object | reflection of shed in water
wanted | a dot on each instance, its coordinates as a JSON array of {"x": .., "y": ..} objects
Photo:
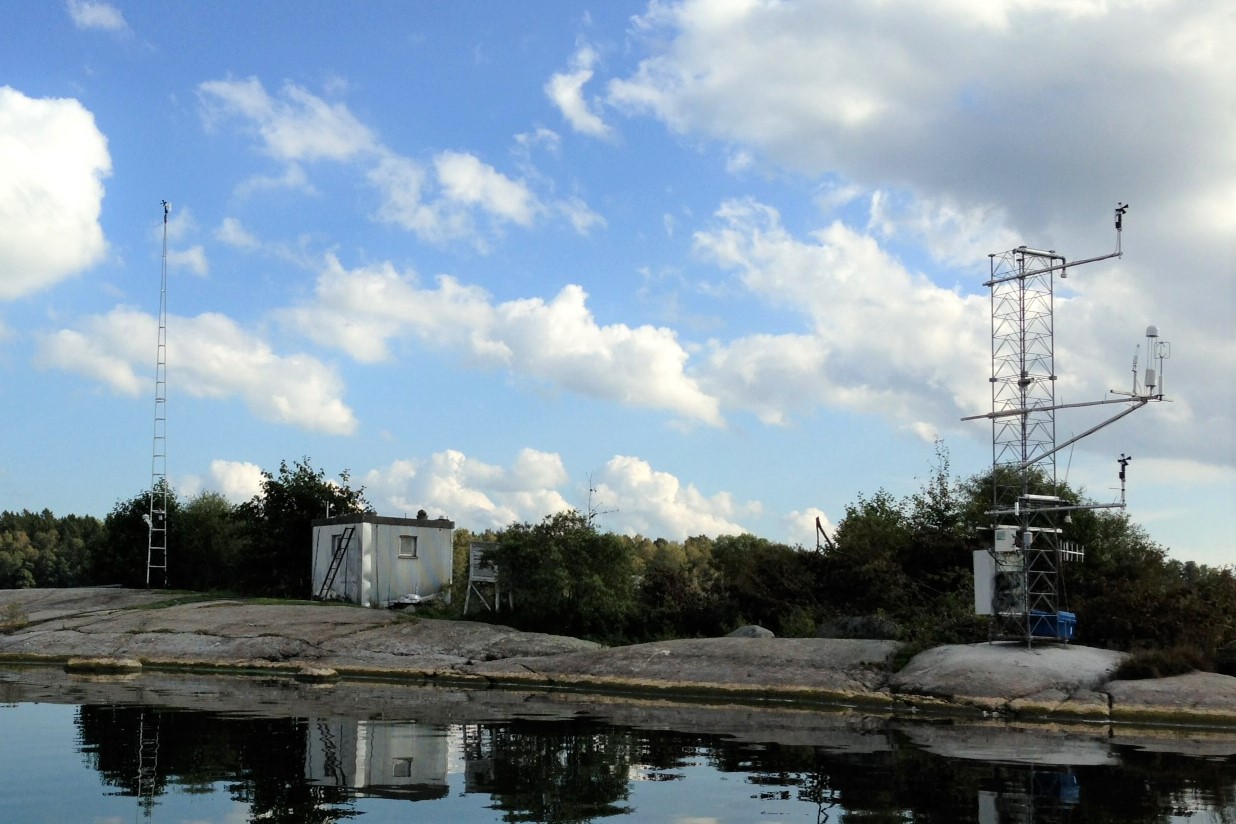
[{"x": 391, "y": 759}]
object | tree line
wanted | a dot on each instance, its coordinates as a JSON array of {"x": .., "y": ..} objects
[
  {"x": 897, "y": 568},
  {"x": 259, "y": 547}
]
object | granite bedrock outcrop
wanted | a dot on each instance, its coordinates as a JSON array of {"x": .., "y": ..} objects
[{"x": 95, "y": 628}]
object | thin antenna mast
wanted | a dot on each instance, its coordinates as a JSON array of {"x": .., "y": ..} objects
[
  {"x": 156, "y": 519},
  {"x": 593, "y": 513}
]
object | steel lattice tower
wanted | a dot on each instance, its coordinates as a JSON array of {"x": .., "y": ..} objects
[
  {"x": 1028, "y": 547},
  {"x": 1023, "y": 403}
]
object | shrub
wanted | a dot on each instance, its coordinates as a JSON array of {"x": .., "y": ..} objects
[
  {"x": 13, "y": 617},
  {"x": 1162, "y": 663},
  {"x": 567, "y": 578}
]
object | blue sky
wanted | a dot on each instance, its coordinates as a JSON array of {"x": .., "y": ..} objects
[{"x": 720, "y": 262}]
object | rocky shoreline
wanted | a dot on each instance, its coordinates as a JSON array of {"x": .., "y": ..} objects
[{"x": 141, "y": 630}]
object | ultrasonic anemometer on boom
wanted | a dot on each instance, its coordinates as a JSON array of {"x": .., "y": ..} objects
[{"x": 1017, "y": 580}]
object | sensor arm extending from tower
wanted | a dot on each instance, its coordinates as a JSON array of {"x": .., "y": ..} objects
[
  {"x": 1136, "y": 398},
  {"x": 1008, "y": 413},
  {"x": 1063, "y": 266},
  {"x": 1138, "y": 403}
]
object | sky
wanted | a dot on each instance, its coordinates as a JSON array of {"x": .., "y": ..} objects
[{"x": 700, "y": 267}]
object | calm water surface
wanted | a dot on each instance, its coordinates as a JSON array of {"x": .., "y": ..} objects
[{"x": 74, "y": 750}]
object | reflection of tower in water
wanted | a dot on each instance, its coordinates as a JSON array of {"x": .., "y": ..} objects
[{"x": 147, "y": 761}]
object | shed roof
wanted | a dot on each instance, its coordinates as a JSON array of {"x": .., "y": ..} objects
[{"x": 371, "y": 518}]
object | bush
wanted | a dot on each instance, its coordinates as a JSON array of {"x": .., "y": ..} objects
[
  {"x": 798, "y": 622},
  {"x": 1162, "y": 663},
  {"x": 13, "y": 617},
  {"x": 1225, "y": 660},
  {"x": 765, "y": 583},
  {"x": 567, "y": 578}
]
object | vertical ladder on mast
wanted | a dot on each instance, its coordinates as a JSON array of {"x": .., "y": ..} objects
[{"x": 156, "y": 518}]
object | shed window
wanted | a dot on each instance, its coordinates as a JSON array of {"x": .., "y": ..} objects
[{"x": 407, "y": 546}]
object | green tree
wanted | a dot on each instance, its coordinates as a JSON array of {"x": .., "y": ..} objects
[
  {"x": 908, "y": 561},
  {"x": 79, "y": 534},
  {"x": 278, "y": 525},
  {"x": 17, "y": 557},
  {"x": 120, "y": 556},
  {"x": 679, "y": 593},
  {"x": 865, "y": 573},
  {"x": 567, "y": 577},
  {"x": 1129, "y": 595},
  {"x": 210, "y": 542},
  {"x": 39, "y": 549},
  {"x": 766, "y": 583}
]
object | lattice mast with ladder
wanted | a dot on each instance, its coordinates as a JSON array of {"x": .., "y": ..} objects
[
  {"x": 1018, "y": 580},
  {"x": 156, "y": 516}
]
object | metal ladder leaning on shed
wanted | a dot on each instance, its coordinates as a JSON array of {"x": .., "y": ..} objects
[{"x": 336, "y": 560}]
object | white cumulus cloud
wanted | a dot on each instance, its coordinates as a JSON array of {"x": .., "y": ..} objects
[
  {"x": 555, "y": 341},
  {"x": 580, "y": 214},
  {"x": 631, "y": 496},
  {"x": 232, "y": 232},
  {"x": 295, "y": 126},
  {"x": 459, "y": 197},
  {"x": 212, "y": 357},
  {"x": 879, "y": 339},
  {"x": 192, "y": 259},
  {"x": 95, "y": 14},
  {"x": 465, "y": 179},
  {"x": 238, "y": 481},
  {"x": 443, "y": 204},
  {"x": 53, "y": 160},
  {"x": 474, "y": 494},
  {"x": 566, "y": 90},
  {"x": 800, "y": 527},
  {"x": 653, "y": 503}
]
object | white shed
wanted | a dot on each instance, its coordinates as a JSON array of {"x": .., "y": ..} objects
[{"x": 374, "y": 561}]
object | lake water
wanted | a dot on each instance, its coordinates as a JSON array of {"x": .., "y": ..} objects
[{"x": 200, "y": 749}]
